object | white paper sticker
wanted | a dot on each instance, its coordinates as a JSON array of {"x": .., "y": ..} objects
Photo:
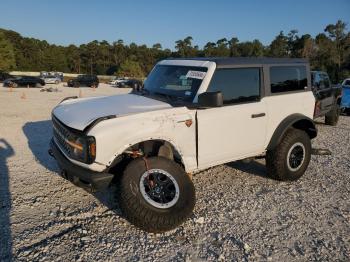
[{"x": 196, "y": 74}]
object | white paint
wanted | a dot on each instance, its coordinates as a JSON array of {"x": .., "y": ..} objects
[
  {"x": 230, "y": 132},
  {"x": 114, "y": 136},
  {"x": 225, "y": 133},
  {"x": 78, "y": 113}
]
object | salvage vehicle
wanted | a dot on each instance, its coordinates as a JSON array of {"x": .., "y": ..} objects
[
  {"x": 345, "y": 101},
  {"x": 118, "y": 80},
  {"x": 59, "y": 75},
  {"x": 4, "y": 76},
  {"x": 24, "y": 81},
  {"x": 192, "y": 114},
  {"x": 130, "y": 83},
  {"x": 328, "y": 98},
  {"x": 84, "y": 80},
  {"x": 50, "y": 79}
]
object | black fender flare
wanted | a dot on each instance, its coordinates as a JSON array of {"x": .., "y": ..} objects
[{"x": 298, "y": 121}]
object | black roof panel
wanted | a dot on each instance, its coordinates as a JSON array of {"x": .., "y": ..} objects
[{"x": 227, "y": 61}]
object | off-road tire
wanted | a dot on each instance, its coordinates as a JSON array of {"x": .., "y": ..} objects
[
  {"x": 142, "y": 214},
  {"x": 276, "y": 159},
  {"x": 332, "y": 117}
]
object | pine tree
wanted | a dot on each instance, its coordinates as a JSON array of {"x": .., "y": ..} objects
[{"x": 7, "y": 55}]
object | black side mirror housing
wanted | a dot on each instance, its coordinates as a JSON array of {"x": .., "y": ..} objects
[{"x": 210, "y": 99}]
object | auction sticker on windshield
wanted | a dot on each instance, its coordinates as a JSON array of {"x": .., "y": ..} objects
[{"x": 195, "y": 74}]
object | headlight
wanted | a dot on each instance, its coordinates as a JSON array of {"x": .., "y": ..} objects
[{"x": 82, "y": 148}]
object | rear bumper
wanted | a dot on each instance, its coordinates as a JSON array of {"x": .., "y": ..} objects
[{"x": 89, "y": 180}]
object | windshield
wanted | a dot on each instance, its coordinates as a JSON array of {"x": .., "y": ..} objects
[{"x": 177, "y": 82}]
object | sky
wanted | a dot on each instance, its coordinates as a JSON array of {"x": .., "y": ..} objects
[{"x": 148, "y": 22}]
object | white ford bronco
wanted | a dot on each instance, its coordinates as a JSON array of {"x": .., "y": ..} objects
[{"x": 191, "y": 114}]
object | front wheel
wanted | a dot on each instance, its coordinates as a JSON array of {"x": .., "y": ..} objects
[
  {"x": 332, "y": 117},
  {"x": 289, "y": 160},
  {"x": 155, "y": 194}
]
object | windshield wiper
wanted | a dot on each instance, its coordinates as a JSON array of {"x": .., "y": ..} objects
[
  {"x": 169, "y": 98},
  {"x": 163, "y": 97}
]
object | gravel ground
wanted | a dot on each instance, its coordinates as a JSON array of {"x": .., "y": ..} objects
[{"x": 240, "y": 215}]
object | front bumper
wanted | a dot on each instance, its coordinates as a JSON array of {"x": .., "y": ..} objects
[{"x": 89, "y": 180}]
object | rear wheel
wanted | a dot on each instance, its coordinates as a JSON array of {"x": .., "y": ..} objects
[
  {"x": 155, "y": 194},
  {"x": 332, "y": 117},
  {"x": 289, "y": 160}
]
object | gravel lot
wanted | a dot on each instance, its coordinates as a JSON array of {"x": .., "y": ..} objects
[{"x": 240, "y": 214}]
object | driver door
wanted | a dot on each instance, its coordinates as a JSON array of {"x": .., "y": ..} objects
[{"x": 238, "y": 129}]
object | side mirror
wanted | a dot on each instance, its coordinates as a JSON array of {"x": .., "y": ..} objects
[{"x": 210, "y": 99}]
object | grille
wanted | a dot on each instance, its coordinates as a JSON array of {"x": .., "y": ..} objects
[{"x": 61, "y": 135}]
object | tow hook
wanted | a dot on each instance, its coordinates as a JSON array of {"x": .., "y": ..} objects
[{"x": 321, "y": 152}]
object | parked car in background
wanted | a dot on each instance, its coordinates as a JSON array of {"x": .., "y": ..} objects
[
  {"x": 84, "y": 80},
  {"x": 345, "y": 100},
  {"x": 328, "y": 97},
  {"x": 24, "y": 81},
  {"x": 115, "y": 81},
  {"x": 4, "y": 76},
  {"x": 50, "y": 79},
  {"x": 59, "y": 75},
  {"x": 130, "y": 83}
]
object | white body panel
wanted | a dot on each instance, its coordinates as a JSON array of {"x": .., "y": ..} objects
[
  {"x": 78, "y": 113},
  {"x": 280, "y": 107},
  {"x": 229, "y": 132},
  {"x": 116, "y": 135}
]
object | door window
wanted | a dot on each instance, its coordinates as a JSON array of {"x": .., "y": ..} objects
[{"x": 237, "y": 84}]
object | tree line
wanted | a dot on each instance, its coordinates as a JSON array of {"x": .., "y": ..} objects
[{"x": 328, "y": 51}]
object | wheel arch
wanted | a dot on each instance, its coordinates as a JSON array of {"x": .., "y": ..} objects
[
  {"x": 150, "y": 147},
  {"x": 297, "y": 121}
]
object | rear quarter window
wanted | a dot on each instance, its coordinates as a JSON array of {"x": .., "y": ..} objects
[{"x": 287, "y": 78}]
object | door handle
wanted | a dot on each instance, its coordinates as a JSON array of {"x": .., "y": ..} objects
[{"x": 258, "y": 115}]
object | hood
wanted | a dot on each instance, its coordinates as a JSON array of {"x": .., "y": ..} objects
[{"x": 79, "y": 113}]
